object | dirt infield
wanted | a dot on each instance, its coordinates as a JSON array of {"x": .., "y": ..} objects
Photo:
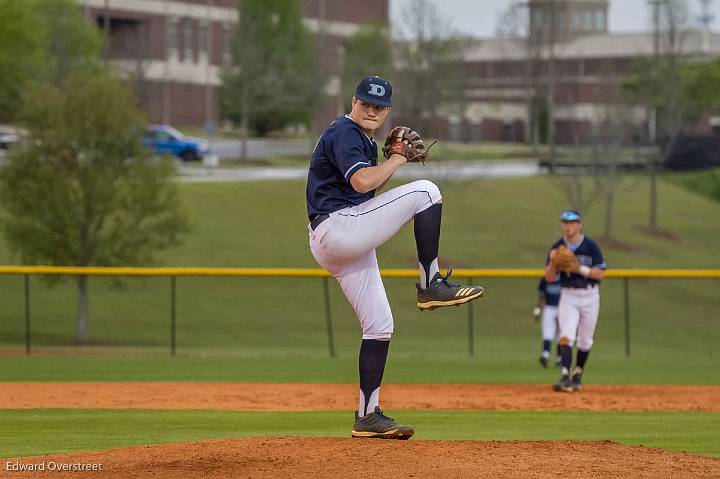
[
  {"x": 290, "y": 457},
  {"x": 293, "y": 457},
  {"x": 313, "y": 397}
]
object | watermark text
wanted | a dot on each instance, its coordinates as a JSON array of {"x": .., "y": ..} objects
[{"x": 52, "y": 466}]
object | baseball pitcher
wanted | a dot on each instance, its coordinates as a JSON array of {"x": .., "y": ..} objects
[{"x": 349, "y": 220}]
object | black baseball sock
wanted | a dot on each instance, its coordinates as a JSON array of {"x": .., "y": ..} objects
[
  {"x": 581, "y": 359},
  {"x": 373, "y": 354},
  {"x": 427, "y": 240},
  {"x": 566, "y": 355},
  {"x": 546, "y": 347}
]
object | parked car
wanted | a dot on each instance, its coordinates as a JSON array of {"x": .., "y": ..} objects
[
  {"x": 166, "y": 140},
  {"x": 8, "y": 137}
]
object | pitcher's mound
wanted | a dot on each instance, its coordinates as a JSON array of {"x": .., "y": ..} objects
[{"x": 294, "y": 457}]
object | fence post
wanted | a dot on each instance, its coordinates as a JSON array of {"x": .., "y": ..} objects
[
  {"x": 626, "y": 288},
  {"x": 471, "y": 326},
  {"x": 328, "y": 317},
  {"x": 27, "y": 315},
  {"x": 173, "y": 295}
]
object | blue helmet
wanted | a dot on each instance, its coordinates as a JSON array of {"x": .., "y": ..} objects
[{"x": 570, "y": 215}]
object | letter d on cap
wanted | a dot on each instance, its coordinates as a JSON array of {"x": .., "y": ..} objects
[{"x": 377, "y": 90}]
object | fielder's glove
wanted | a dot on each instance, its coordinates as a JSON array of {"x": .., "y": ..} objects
[
  {"x": 406, "y": 142},
  {"x": 565, "y": 261}
]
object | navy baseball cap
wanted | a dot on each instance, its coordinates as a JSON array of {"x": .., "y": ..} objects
[
  {"x": 374, "y": 90},
  {"x": 570, "y": 215}
]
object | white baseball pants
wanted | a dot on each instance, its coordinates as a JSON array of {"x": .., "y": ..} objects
[
  {"x": 344, "y": 245},
  {"x": 578, "y": 315},
  {"x": 549, "y": 325}
]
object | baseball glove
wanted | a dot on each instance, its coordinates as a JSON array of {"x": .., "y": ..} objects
[
  {"x": 565, "y": 260},
  {"x": 406, "y": 142}
]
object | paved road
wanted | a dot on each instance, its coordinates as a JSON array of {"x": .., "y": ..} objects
[
  {"x": 259, "y": 148},
  {"x": 440, "y": 171}
]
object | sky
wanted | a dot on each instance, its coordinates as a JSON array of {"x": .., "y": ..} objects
[{"x": 478, "y": 17}]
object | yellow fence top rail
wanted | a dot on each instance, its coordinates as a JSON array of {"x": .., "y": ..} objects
[{"x": 309, "y": 272}]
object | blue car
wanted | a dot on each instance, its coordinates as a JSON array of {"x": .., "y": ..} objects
[{"x": 166, "y": 140}]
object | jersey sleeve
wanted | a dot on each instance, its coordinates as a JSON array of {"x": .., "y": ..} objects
[
  {"x": 348, "y": 152},
  {"x": 541, "y": 287},
  {"x": 597, "y": 257}
]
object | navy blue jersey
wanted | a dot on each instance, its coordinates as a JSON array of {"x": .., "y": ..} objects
[
  {"x": 588, "y": 254},
  {"x": 550, "y": 291},
  {"x": 341, "y": 151}
]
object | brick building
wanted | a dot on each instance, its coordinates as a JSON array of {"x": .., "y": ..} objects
[
  {"x": 507, "y": 78},
  {"x": 499, "y": 98},
  {"x": 174, "y": 48}
]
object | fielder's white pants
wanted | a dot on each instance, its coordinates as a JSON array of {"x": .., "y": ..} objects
[
  {"x": 344, "y": 245},
  {"x": 549, "y": 325},
  {"x": 578, "y": 315}
]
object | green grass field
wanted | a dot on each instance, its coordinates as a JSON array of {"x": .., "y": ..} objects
[
  {"x": 483, "y": 368},
  {"x": 704, "y": 182},
  {"x": 492, "y": 224},
  {"x": 273, "y": 330},
  {"x": 30, "y": 432}
]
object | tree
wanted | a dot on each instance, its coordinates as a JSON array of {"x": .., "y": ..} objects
[
  {"x": 70, "y": 41},
  {"x": 18, "y": 33},
  {"x": 594, "y": 159},
  {"x": 272, "y": 77},
  {"x": 657, "y": 83},
  {"x": 41, "y": 41},
  {"x": 601, "y": 160},
  {"x": 83, "y": 191},
  {"x": 368, "y": 51},
  {"x": 513, "y": 21},
  {"x": 428, "y": 56},
  {"x": 609, "y": 160},
  {"x": 544, "y": 39},
  {"x": 700, "y": 92}
]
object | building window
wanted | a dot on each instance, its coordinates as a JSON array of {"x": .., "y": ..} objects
[
  {"x": 203, "y": 37},
  {"x": 577, "y": 21},
  {"x": 476, "y": 132},
  {"x": 600, "y": 21},
  {"x": 508, "y": 132},
  {"x": 547, "y": 19},
  {"x": 173, "y": 36},
  {"x": 561, "y": 21},
  {"x": 539, "y": 20},
  {"x": 226, "y": 44},
  {"x": 454, "y": 131},
  {"x": 188, "y": 38}
]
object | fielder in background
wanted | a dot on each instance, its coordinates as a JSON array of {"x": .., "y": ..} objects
[
  {"x": 348, "y": 220},
  {"x": 580, "y": 264},
  {"x": 547, "y": 309}
]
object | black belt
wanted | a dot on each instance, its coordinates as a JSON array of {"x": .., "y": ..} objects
[{"x": 315, "y": 222}]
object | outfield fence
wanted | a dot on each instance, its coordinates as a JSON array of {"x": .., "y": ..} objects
[{"x": 625, "y": 275}]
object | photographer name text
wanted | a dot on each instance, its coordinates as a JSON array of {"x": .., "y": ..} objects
[{"x": 52, "y": 466}]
